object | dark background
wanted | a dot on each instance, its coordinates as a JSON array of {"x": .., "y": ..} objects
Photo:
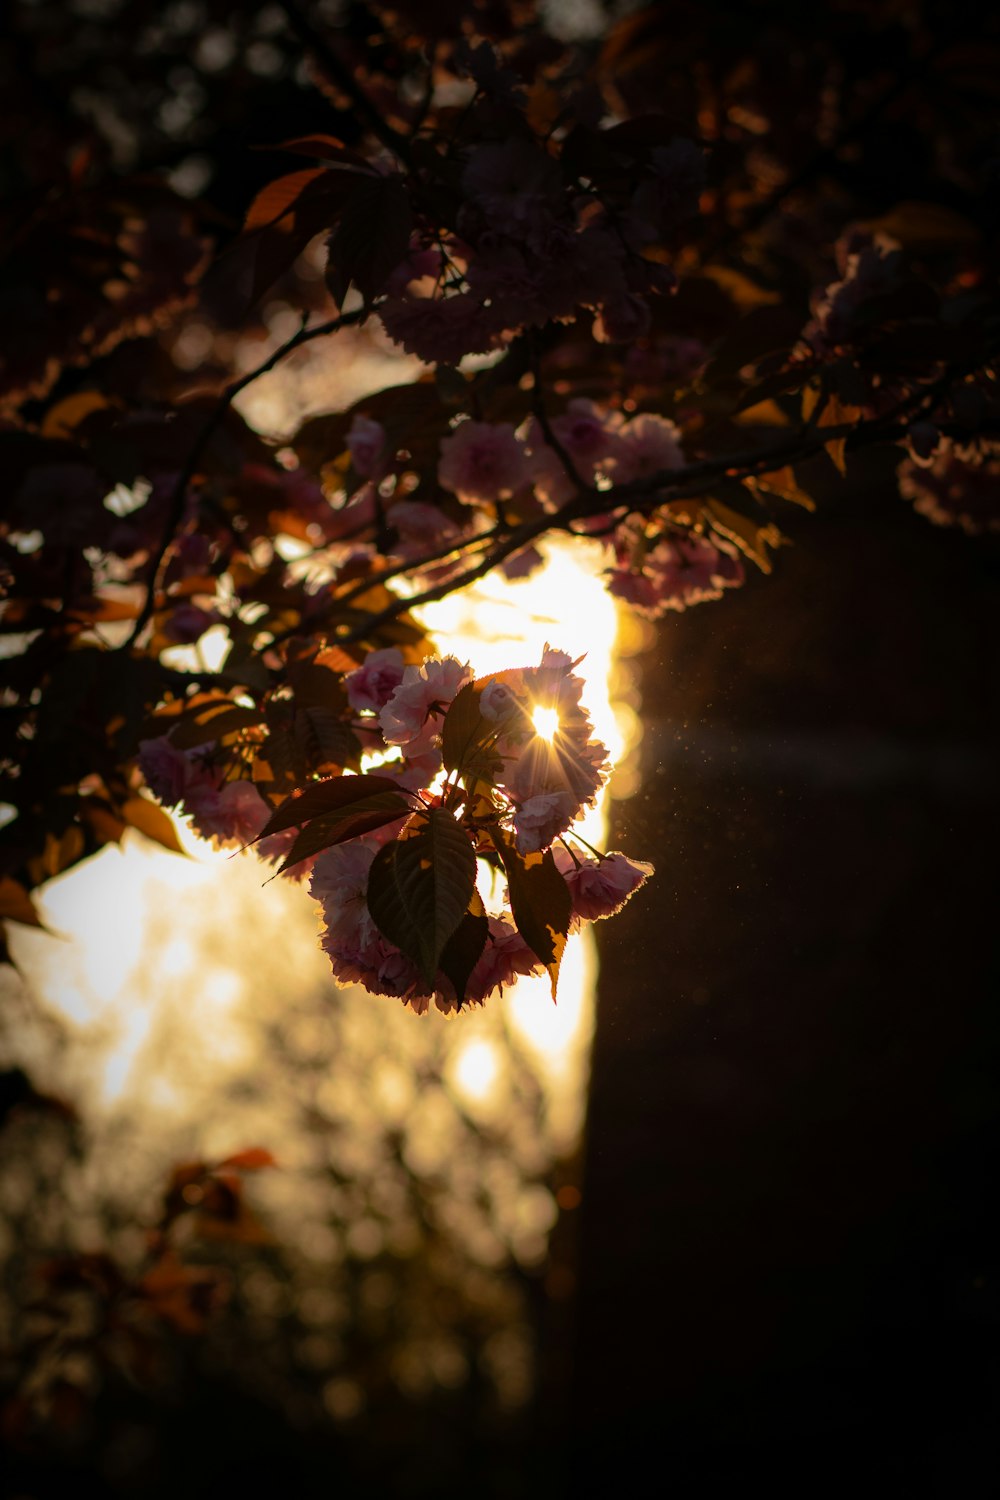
[{"x": 790, "y": 1242}]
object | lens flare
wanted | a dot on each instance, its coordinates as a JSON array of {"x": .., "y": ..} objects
[{"x": 546, "y": 722}]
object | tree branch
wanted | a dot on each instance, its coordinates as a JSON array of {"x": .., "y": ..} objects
[
  {"x": 342, "y": 77},
  {"x": 178, "y": 495}
]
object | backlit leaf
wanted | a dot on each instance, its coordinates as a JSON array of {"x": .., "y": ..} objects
[
  {"x": 150, "y": 819},
  {"x": 464, "y": 737},
  {"x": 16, "y": 905},
  {"x": 334, "y": 796},
  {"x": 752, "y": 539},
  {"x": 213, "y": 722},
  {"x": 539, "y": 901},
  {"x": 279, "y": 197},
  {"x": 337, "y": 827},
  {"x": 323, "y": 148},
  {"x": 464, "y": 948},
  {"x": 419, "y": 889},
  {"x": 250, "y": 1160},
  {"x": 782, "y": 482}
]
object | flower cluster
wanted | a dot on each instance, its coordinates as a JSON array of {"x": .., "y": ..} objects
[
  {"x": 954, "y": 486},
  {"x": 532, "y": 248},
  {"x": 676, "y": 573},
  {"x": 228, "y": 813},
  {"x": 511, "y": 790}
]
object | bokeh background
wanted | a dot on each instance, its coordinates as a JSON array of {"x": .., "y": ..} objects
[{"x": 726, "y": 1216}]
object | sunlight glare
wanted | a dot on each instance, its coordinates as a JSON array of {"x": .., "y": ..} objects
[
  {"x": 475, "y": 1069},
  {"x": 546, "y": 722}
]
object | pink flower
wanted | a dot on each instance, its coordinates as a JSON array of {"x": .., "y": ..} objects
[
  {"x": 647, "y": 445},
  {"x": 418, "y": 770},
  {"x": 677, "y": 573},
  {"x": 542, "y": 818},
  {"x": 590, "y": 438},
  {"x": 482, "y": 462},
  {"x": 358, "y": 952},
  {"x": 549, "y": 781},
  {"x": 514, "y": 286},
  {"x": 340, "y": 884},
  {"x": 638, "y": 589},
  {"x": 871, "y": 267},
  {"x": 435, "y": 682},
  {"x": 369, "y": 448},
  {"x": 440, "y": 330},
  {"x": 422, "y": 528},
  {"x": 418, "y": 265},
  {"x": 505, "y": 956},
  {"x": 958, "y": 487},
  {"x": 231, "y": 815},
  {"x": 600, "y": 887},
  {"x": 372, "y": 685},
  {"x": 498, "y": 701},
  {"x": 166, "y": 770}
]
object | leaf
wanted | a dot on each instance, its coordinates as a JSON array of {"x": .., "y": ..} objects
[
  {"x": 102, "y": 820},
  {"x": 463, "y": 737},
  {"x": 746, "y": 294},
  {"x": 334, "y": 795},
  {"x": 323, "y": 148},
  {"x": 212, "y": 720},
  {"x": 832, "y": 413},
  {"x": 464, "y": 948},
  {"x": 16, "y": 905},
  {"x": 409, "y": 413},
  {"x": 325, "y": 739},
  {"x": 336, "y": 828},
  {"x": 539, "y": 901},
  {"x": 371, "y": 238},
  {"x": 57, "y": 855},
  {"x": 927, "y": 228},
  {"x": 419, "y": 889},
  {"x": 782, "y": 482},
  {"x": 279, "y": 197},
  {"x": 62, "y": 419},
  {"x": 250, "y": 1160},
  {"x": 752, "y": 539},
  {"x": 150, "y": 819}
]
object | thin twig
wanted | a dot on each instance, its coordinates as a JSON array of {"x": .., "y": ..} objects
[
  {"x": 217, "y": 415},
  {"x": 342, "y": 77}
]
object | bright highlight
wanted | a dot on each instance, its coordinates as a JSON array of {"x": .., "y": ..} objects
[{"x": 546, "y": 722}]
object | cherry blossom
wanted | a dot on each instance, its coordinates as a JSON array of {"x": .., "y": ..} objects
[
  {"x": 600, "y": 887},
  {"x": 435, "y": 683},
  {"x": 369, "y": 448},
  {"x": 229, "y": 815},
  {"x": 957, "y": 487},
  {"x": 482, "y": 462},
  {"x": 505, "y": 957},
  {"x": 677, "y": 573},
  {"x": 371, "y": 686},
  {"x": 646, "y": 445}
]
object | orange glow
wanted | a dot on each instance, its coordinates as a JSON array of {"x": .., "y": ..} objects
[{"x": 546, "y": 722}]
